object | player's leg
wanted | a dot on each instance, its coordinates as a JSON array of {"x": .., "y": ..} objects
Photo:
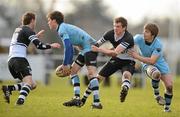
[
  {"x": 108, "y": 69},
  {"x": 22, "y": 67},
  {"x": 7, "y": 89},
  {"x": 88, "y": 91},
  {"x": 91, "y": 63},
  {"x": 29, "y": 85},
  {"x": 168, "y": 83},
  {"x": 94, "y": 86},
  {"x": 76, "y": 66},
  {"x": 126, "y": 82},
  {"x": 153, "y": 73},
  {"x": 127, "y": 69}
]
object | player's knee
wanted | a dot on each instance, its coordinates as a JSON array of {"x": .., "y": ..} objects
[
  {"x": 33, "y": 85},
  {"x": 126, "y": 75},
  {"x": 91, "y": 73},
  {"x": 169, "y": 89},
  {"x": 156, "y": 75},
  {"x": 153, "y": 72},
  {"x": 100, "y": 78}
]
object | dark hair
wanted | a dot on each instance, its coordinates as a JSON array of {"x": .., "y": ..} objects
[
  {"x": 153, "y": 28},
  {"x": 121, "y": 20},
  {"x": 27, "y": 17},
  {"x": 58, "y": 16}
]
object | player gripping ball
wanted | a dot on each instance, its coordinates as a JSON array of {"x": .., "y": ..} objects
[{"x": 61, "y": 72}]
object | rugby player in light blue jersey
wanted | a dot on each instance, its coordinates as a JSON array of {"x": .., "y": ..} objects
[
  {"x": 71, "y": 36},
  {"x": 154, "y": 64}
]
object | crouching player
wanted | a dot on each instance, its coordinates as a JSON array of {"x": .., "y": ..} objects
[{"x": 154, "y": 64}]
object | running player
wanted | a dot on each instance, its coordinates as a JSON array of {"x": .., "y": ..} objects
[{"x": 18, "y": 64}]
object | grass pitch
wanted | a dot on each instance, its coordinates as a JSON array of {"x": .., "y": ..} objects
[{"x": 46, "y": 101}]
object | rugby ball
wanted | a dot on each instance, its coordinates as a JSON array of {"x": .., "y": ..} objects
[{"x": 60, "y": 73}]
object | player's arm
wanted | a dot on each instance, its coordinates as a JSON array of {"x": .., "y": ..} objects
[
  {"x": 148, "y": 60},
  {"x": 109, "y": 52},
  {"x": 100, "y": 42},
  {"x": 39, "y": 45},
  {"x": 68, "y": 52},
  {"x": 106, "y": 36},
  {"x": 40, "y": 33}
]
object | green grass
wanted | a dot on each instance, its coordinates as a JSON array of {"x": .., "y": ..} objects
[{"x": 46, "y": 101}]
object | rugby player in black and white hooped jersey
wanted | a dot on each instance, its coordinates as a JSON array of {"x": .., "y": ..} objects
[
  {"x": 17, "y": 63},
  {"x": 121, "y": 41}
]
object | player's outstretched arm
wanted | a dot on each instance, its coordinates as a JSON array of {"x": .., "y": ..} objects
[
  {"x": 149, "y": 60},
  {"x": 104, "y": 50},
  {"x": 40, "y": 33},
  {"x": 55, "y": 45}
]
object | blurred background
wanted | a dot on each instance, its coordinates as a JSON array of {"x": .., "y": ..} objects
[{"x": 95, "y": 17}]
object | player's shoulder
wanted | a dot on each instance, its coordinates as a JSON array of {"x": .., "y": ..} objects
[
  {"x": 158, "y": 41},
  {"x": 128, "y": 35},
  {"x": 62, "y": 26},
  {"x": 139, "y": 36},
  {"x": 27, "y": 30},
  {"x": 109, "y": 33}
]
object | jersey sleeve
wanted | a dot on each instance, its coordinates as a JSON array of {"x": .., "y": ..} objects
[
  {"x": 128, "y": 42},
  {"x": 137, "y": 39},
  {"x": 35, "y": 40},
  {"x": 108, "y": 35},
  {"x": 30, "y": 34},
  {"x": 68, "y": 52},
  {"x": 40, "y": 45},
  {"x": 104, "y": 38},
  {"x": 68, "y": 47}
]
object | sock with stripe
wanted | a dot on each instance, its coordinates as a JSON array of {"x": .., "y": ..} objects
[
  {"x": 168, "y": 98},
  {"x": 76, "y": 84},
  {"x": 24, "y": 92},
  {"x": 15, "y": 87},
  {"x": 94, "y": 85},
  {"x": 86, "y": 94},
  {"x": 155, "y": 86}
]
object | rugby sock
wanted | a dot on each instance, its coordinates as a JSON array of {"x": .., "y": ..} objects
[
  {"x": 76, "y": 83},
  {"x": 86, "y": 94},
  {"x": 94, "y": 85},
  {"x": 126, "y": 83},
  {"x": 15, "y": 87},
  {"x": 155, "y": 85},
  {"x": 24, "y": 91},
  {"x": 168, "y": 98}
]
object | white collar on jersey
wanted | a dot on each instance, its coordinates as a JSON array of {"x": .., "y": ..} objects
[{"x": 118, "y": 38}]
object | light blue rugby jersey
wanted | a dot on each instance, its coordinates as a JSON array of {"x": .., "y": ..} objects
[
  {"x": 154, "y": 49},
  {"x": 77, "y": 36}
]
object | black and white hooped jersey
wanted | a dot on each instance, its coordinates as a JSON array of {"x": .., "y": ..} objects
[
  {"x": 126, "y": 41},
  {"x": 21, "y": 39}
]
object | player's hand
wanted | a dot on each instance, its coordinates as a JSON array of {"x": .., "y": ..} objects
[
  {"x": 55, "y": 45},
  {"x": 66, "y": 69},
  {"x": 94, "y": 48},
  {"x": 78, "y": 48},
  {"x": 133, "y": 53},
  {"x": 40, "y": 34}
]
